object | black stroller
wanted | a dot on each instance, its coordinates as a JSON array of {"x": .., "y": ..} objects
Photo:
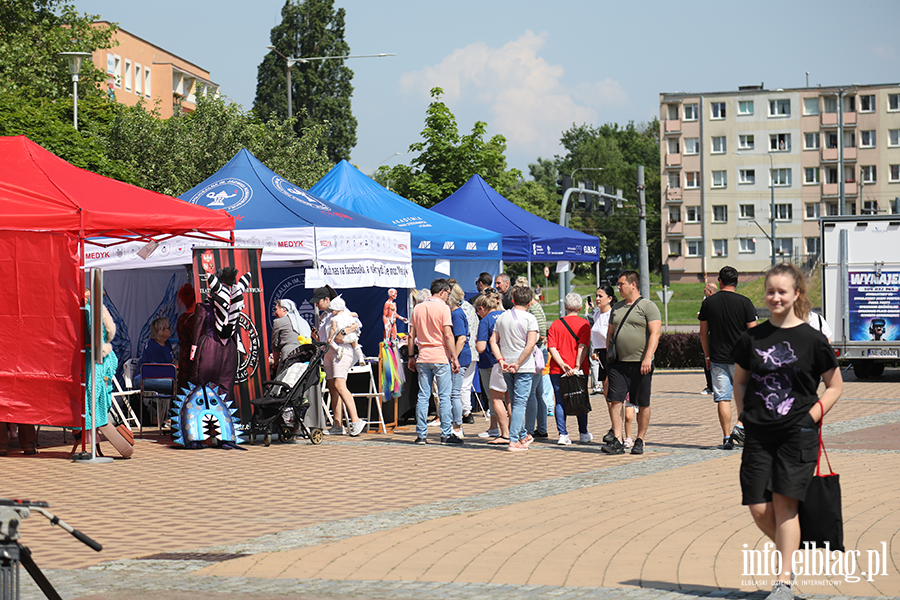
[{"x": 283, "y": 406}]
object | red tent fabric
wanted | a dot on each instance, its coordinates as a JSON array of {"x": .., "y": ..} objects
[{"x": 47, "y": 209}]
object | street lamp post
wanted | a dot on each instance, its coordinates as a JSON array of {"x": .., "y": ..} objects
[
  {"x": 75, "y": 59},
  {"x": 772, "y": 209},
  {"x": 382, "y": 162},
  {"x": 291, "y": 61}
]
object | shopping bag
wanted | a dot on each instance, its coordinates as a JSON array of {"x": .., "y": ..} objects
[
  {"x": 575, "y": 398},
  {"x": 820, "y": 514}
]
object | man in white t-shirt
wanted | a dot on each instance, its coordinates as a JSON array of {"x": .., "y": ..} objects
[{"x": 512, "y": 342}]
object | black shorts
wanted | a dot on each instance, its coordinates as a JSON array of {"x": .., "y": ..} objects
[
  {"x": 626, "y": 378},
  {"x": 784, "y": 464}
]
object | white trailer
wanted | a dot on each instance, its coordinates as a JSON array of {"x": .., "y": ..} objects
[{"x": 861, "y": 289}]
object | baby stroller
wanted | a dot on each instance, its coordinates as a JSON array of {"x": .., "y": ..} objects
[{"x": 282, "y": 408}]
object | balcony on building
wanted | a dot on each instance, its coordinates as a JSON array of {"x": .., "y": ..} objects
[
  {"x": 673, "y": 126},
  {"x": 851, "y": 188},
  {"x": 673, "y": 195},
  {"x": 833, "y": 154},
  {"x": 673, "y": 160},
  {"x": 831, "y": 119},
  {"x": 675, "y": 228}
]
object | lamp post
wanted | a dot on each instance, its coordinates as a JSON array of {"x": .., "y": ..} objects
[
  {"x": 772, "y": 209},
  {"x": 291, "y": 61},
  {"x": 384, "y": 161},
  {"x": 75, "y": 59}
]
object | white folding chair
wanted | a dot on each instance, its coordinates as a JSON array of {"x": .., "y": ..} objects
[
  {"x": 372, "y": 395},
  {"x": 127, "y": 415}
]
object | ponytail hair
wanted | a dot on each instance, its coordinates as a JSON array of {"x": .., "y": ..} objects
[
  {"x": 803, "y": 304},
  {"x": 609, "y": 291}
]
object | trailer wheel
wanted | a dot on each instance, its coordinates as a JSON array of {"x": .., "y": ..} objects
[
  {"x": 862, "y": 369},
  {"x": 876, "y": 369}
]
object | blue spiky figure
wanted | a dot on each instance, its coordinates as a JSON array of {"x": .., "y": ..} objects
[{"x": 202, "y": 414}]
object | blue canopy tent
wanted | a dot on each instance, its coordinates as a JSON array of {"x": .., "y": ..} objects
[
  {"x": 526, "y": 237},
  {"x": 469, "y": 249}
]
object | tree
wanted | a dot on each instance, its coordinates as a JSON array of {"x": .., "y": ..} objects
[
  {"x": 320, "y": 90},
  {"x": 32, "y": 32},
  {"x": 619, "y": 151},
  {"x": 447, "y": 160},
  {"x": 171, "y": 156}
]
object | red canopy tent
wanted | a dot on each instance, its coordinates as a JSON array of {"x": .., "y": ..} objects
[{"x": 48, "y": 210}]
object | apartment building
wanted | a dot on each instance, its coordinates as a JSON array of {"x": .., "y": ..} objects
[
  {"x": 137, "y": 69},
  {"x": 731, "y": 161}
]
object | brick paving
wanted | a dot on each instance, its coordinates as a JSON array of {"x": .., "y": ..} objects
[{"x": 377, "y": 516}]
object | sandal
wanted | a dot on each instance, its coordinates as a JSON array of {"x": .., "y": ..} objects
[{"x": 499, "y": 441}]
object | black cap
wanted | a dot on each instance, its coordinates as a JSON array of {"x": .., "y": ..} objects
[{"x": 320, "y": 293}]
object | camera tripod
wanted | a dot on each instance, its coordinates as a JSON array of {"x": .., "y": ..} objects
[{"x": 12, "y": 553}]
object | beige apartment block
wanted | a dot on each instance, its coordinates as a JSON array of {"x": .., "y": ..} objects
[
  {"x": 139, "y": 70},
  {"x": 725, "y": 155}
]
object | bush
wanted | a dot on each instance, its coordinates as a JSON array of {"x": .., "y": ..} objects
[{"x": 679, "y": 350}]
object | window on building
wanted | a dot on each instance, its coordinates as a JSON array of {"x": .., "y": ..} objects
[
  {"x": 746, "y": 176},
  {"x": 691, "y": 214},
  {"x": 783, "y": 212},
  {"x": 893, "y": 102},
  {"x": 784, "y": 246},
  {"x": 780, "y": 142},
  {"x": 692, "y": 145},
  {"x": 747, "y": 211},
  {"x": 831, "y": 209},
  {"x": 720, "y": 179},
  {"x": 746, "y": 245},
  {"x": 720, "y": 213},
  {"x": 849, "y": 139},
  {"x": 694, "y": 248},
  {"x": 893, "y": 138},
  {"x": 849, "y": 104},
  {"x": 831, "y": 104},
  {"x": 895, "y": 206},
  {"x": 745, "y": 107},
  {"x": 720, "y": 247},
  {"x": 674, "y": 214},
  {"x": 812, "y": 210},
  {"x": 117, "y": 72},
  {"x": 849, "y": 174},
  {"x": 674, "y": 180},
  {"x": 810, "y": 106},
  {"x": 812, "y": 246},
  {"x": 870, "y": 207},
  {"x": 850, "y": 208},
  {"x": 866, "y": 103},
  {"x": 674, "y": 146},
  {"x": 692, "y": 180},
  {"x": 869, "y": 173},
  {"x": 690, "y": 112},
  {"x": 867, "y": 139},
  {"x": 810, "y": 175},
  {"x": 674, "y": 247},
  {"x": 718, "y": 145},
  {"x": 672, "y": 112},
  {"x": 894, "y": 173},
  {"x": 138, "y": 78},
  {"x": 128, "y": 75},
  {"x": 781, "y": 177},
  {"x": 779, "y": 108},
  {"x": 831, "y": 174},
  {"x": 718, "y": 110},
  {"x": 146, "y": 82},
  {"x": 745, "y": 142},
  {"x": 811, "y": 141},
  {"x": 831, "y": 140}
]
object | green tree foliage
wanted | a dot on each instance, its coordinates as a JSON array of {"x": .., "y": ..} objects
[
  {"x": 320, "y": 90},
  {"x": 49, "y": 123},
  {"x": 446, "y": 159},
  {"x": 172, "y": 156},
  {"x": 32, "y": 32},
  {"x": 618, "y": 151}
]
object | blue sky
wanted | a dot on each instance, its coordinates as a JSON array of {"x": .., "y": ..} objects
[{"x": 532, "y": 69}]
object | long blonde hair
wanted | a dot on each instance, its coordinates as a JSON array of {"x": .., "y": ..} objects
[{"x": 803, "y": 304}]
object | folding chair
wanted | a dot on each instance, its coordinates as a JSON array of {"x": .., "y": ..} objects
[
  {"x": 128, "y": 415},
  {"x": 158, "y": 384},
  {"x": 373, "y": 395}
]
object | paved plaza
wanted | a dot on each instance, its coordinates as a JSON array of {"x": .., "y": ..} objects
[{"x": 379, "y": 517}]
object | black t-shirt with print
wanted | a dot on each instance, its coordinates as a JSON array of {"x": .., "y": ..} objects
[{"x": 785, "y": 366}]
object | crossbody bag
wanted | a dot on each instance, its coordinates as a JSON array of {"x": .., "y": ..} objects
[{"x": 612, "y": 354}]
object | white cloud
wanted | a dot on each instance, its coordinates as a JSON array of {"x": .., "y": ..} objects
[
  {"x": 522, "y": 92},
  {"x": 884, "y": 52}
]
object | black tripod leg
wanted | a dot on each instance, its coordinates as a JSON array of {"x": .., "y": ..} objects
[{"x": 37, "y": 574}]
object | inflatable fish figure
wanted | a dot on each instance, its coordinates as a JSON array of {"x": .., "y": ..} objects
[{"x": 202, "y": 414}]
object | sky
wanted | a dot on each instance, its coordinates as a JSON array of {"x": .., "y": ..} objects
[{"x": 531, "y": 70}]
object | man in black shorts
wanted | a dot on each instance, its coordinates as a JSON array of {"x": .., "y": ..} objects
[{"x": 634, "y": 329}]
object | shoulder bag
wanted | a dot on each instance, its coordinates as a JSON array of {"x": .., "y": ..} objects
[
  {"x": 536, "y": 354},
  {"x": 573, "y": 388},
  {"x": 612, "y": 355},
  {"x": 820, "y": 515}
]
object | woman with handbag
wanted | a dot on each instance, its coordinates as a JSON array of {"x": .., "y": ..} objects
[
  {"x": 776, "y": 376},
  {"x": 568, "y": 340}
]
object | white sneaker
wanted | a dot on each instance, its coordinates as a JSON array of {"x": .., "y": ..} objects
[
  {"x": 335, "y": 431},
  {"x": 357, "y": 427},
  {"x": 629, "y": 442},
  {"x": 563, "y": 440},
  {"x": 584, "y": 438},
  {"x": 435, "y": 423},
  {"x": 489, "y": 433},
  {"x": 459, "y": 433}
]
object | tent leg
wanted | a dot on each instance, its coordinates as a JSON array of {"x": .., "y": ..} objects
[{"x": 529, "y": 273}]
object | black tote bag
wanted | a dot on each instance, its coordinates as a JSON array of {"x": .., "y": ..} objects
[
  {"x": 821, "y": 519},
  {"x": 575, "y": 395}
]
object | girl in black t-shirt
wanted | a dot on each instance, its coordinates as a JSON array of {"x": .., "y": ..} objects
[{"x": 776, "y": 374}]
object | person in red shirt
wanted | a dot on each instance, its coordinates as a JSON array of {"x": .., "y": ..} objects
[{"x": 569, "y": 340}]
